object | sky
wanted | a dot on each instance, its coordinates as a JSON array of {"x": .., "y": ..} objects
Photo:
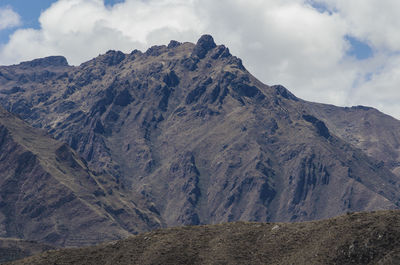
[{"x": 331, "y": 51}]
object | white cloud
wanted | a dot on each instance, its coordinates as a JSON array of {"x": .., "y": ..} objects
[
  {"x": 280, "y": 41},
  {"x": 375, "y": 21},
  {"x": 81, "y": 29},
  {"x": 286, "y": 42},
  {"x": 8, "y": 18}
]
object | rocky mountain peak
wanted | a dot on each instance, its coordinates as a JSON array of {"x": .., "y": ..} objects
[
  {"x": 203, "y": 46},
  {"x": 113, "y": 57},
  {"x": 50, "y": 61},
  {"x": 284, "y": 92},
  {"x": 173, "y": 44}
]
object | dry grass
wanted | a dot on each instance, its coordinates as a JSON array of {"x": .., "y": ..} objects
[{"x": 359, "y": 238}]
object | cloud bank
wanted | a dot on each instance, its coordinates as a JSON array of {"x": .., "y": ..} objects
[
  {"x": 302, "y": 44},
  {"x": 8, "y": 18}
]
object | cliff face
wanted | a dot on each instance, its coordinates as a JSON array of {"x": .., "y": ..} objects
[
  {"x": 48, "y": 194},
  {"x": 188, "y": 133}
]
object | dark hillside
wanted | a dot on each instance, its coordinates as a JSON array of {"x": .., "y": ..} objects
[{"x": 48, "y": 194}]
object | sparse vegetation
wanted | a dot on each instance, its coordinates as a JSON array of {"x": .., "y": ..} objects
[{"x": 355, "y": 238}]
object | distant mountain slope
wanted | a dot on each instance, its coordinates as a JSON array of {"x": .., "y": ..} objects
[
  {"x": 191, "y": 134},
  {"x": 359, "y": 238},
  {"x": 48, "y": 194},
  {"x": 374, "y": 132}
]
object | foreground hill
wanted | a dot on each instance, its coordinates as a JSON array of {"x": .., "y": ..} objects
[
  {"x": 48, "y": 194},
  {"x": 195, "y": 138},
  {"x": 12, "y": 249},
  {"x": 358, "y": 238}
]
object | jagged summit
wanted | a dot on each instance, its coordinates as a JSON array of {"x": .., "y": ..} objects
[
  {"x": 173, "y": 44},
  {"x": 203, "y": 45},
  {"x": 284, "y": 92},
  {"x": 50, "y": 61},
  {"x": 113, "y": 57}
]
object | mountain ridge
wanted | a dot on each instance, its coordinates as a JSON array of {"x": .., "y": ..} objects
[{"x": 190, "y": 134}]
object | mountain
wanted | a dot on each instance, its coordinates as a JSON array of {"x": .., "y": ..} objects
[
  {"x": 48, "y": 194},
  {"x": 358, "y": 238},
  {"x": 188, "y": 133}
]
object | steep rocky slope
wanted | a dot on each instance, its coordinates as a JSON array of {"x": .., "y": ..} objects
[
  {"x": 186, "y": 130},
  {"x": 48, "y": 194},
  {"x": 360, "y": 238}
]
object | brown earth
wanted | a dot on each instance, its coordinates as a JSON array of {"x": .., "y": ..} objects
[
  {"x": 358, "y": 238},
  {"x": 13, "y": 249}
]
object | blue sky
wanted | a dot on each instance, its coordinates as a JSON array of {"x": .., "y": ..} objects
[
  {"x": 358, "y": 49},
  {"x": 28, "y": 10},
  {"x": 328, "y": 51}
]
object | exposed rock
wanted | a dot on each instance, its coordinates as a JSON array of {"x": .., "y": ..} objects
[
  {"x": 221, "y": 52},
  {"x": 281, "y": 90},
  {"x": 203, "y": 46},
  {"x": 173, "y": 44},
  {"x": 13, "y": 90},
  {"x": 51, "y": 61},
  {"x": 113, "y": 57},
  {"x": 171, "y": 79},
  {"x": 190, "y": 63},
  {"x": 124, "y": 98},
  {"x": 165, "y": 92},
  {"x": 155, "y": 50},
  {"x": 196, "y": 93},
  {"x": 319, "y": 125}
]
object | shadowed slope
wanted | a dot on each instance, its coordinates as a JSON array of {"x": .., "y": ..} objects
[{"x": 48, "y": 194}]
